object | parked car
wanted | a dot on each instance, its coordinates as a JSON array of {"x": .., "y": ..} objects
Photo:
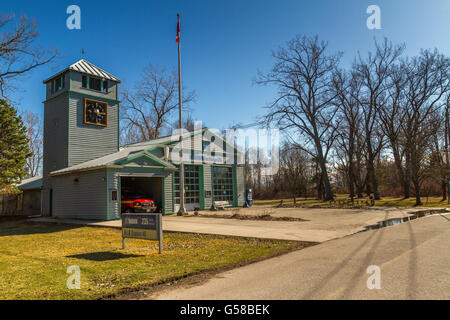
[{"x": 137, "y": 203}]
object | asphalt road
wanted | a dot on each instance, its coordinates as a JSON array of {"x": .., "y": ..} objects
[{"x": 413, "y": 257}]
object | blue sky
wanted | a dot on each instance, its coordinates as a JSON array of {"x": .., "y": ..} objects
[{"x": 224, "y": 43}]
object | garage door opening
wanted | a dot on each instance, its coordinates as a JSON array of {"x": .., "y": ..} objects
[{"x": 141, "y": 194}]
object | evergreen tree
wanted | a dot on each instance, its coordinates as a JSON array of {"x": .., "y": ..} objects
[{"x": 14, "y": 148}]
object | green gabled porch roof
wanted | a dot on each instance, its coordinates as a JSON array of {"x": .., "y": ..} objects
[{"x": 146, "y": 155}]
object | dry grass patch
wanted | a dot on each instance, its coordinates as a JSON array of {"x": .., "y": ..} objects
[{"x": 434, "y": 202}]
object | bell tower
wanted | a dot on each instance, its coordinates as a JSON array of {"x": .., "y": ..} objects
[{"x": 81, "y": 120}]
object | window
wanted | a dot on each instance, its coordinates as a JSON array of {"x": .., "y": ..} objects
[
  {"x": 94, "y": 84},
  {"x": 191, "y": 184},
  {"x": 58, "y": 84},
  {"x": 222, "y": 183},
  {"x": 114, "y": 195}
]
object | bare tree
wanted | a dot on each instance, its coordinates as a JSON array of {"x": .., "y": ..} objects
[
  {"x": 446, "y": 143},
  {"x": 35, "y": 143},
  {"x": 439, "y": 153},
  {"x": 147, "y": 109},
  {"x": 293, "y": 164},
  {"x": 392, "y": 115},
  {"x": 373, "y": 72},
  {"x": 348, "y": 128},
  {"x": 18, "y": 55},
  {"x": 427, "y": 82},
  {"x": 302, "y": 73},
  {"x": 188, "y": 123}
]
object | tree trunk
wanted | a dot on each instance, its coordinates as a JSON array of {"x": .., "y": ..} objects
[
  {"x": 367, "y": 184},
  {"x": 326, "y": 181},
  {"x": 319, "y": 187},
  {"x": 407, "y": 175},
  {"x": 444, "y": 190},
  {"x": 401, "y": 174},
  {"x": 417, "y": 191},
  {"x": 350, "y": 185},
  {"x": 371, "y": 170}
]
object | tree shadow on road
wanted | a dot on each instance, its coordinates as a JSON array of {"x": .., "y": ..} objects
[{"x": 333, "y": 273}]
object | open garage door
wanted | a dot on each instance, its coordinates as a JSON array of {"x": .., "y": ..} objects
[{"x": 141, "y": 194}]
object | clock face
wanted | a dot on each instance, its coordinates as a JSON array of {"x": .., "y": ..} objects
[{"x": 95, "y": 112}]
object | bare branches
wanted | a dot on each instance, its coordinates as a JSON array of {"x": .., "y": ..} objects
[
  {"x": 426, "y": 85},
  {"x": 17, "y": 53},
  {"x": 147, "y": 109},
  {"x": 302, "y": 72},
  {"x": 373, "y": 73},
  {"x": 383, "y": 115},
  {"x": 35, "y": 143}
]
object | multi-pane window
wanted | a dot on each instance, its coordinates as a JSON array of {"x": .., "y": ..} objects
[
  {"x": 58, "y": 84},
  {"x": 191, "y": 184},
  {"x": 94, "y": 83},
  {"x": 222, "y": 183}
]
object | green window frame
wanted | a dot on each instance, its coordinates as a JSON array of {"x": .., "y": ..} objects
[
  {"x": 94, "y": 83},
  {"x": 222, "y": 180},
  {"x": 191, "y": 184},
  {"x": 58, "y": 83}
]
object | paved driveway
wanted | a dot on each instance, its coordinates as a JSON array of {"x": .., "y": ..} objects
[
  {"x": 320, "y": 225},
  {"x": 413, "y": 258}
]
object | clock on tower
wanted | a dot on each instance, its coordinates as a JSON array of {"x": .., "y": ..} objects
[{"x": 95, "y": 112}]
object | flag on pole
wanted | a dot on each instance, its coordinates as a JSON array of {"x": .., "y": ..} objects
[{"x": 177, "y": 39}]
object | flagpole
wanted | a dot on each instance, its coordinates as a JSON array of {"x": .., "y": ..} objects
[{"x": 182, "y": 209}]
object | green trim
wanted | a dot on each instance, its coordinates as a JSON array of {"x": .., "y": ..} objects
[
  {"x": 119, "y": 195},
  {"x": 173, "y": 192},
  {"x": 233, "y": 178},
  {"x": 152, "y": 148},
  {"x": 199, "y": 184},
  {"x": 149, "y": 157},
  {"x": 107, "y": 195},
  {"x": 141, "y": 169},
  {"x": 235, "y": 191},
  {"x": 85, "y": 95},
  {"x": 163, "y": 200},
  {"x": 202, "y": 188}
]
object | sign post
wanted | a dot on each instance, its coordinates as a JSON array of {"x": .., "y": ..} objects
[{"x": 146, "y": 226}]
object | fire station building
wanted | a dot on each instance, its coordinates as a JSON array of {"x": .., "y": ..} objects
[{"x": 86, "y": 172}]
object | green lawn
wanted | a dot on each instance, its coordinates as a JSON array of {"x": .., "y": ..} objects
[
  {"x": 384, "y": 202},
  {"x": 34, "y": 258}
]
